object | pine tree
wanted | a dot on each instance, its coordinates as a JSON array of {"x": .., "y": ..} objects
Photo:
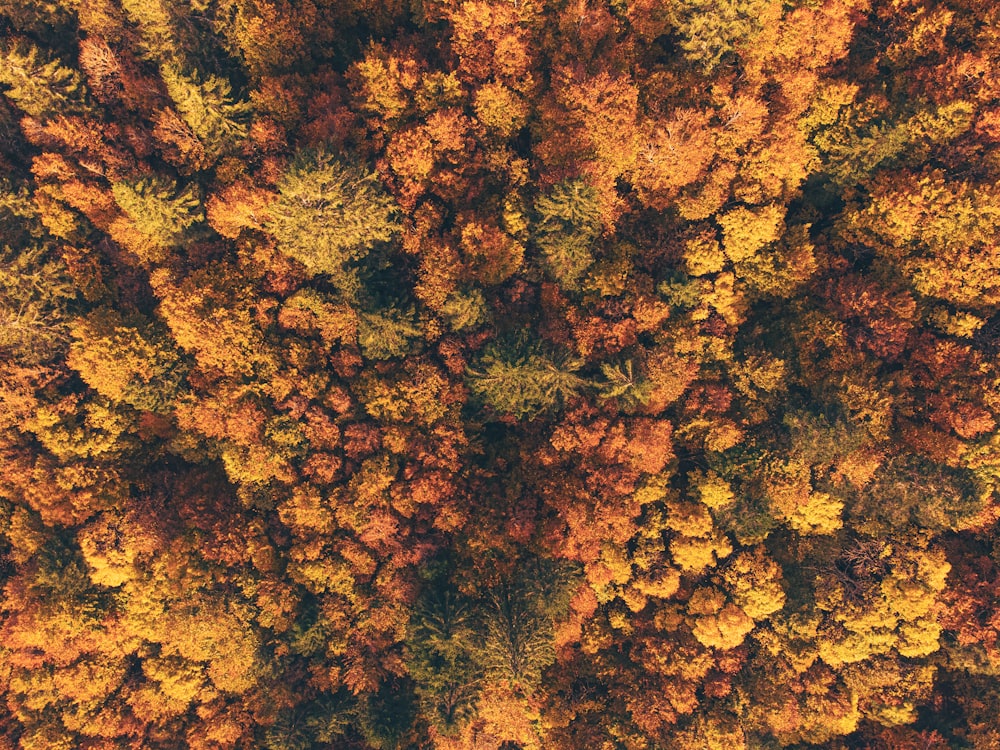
[
  {"x": 39, "y": 88},
  {"x": 441, "y": 642},
  {"x": 624, "y": 384},
  {"x": 165, "y": 28},
  {"x": 388, "y": 714},
  {"x": 517, "y": 642},
  {"x": 126, "y": 360},
  {"x": 709, "y": 30},
  {"x": 35, "y": 288},
  {"x": 206, "y": 105},
  {"x": 159, "y": 209},
  {"x": 34, "y": 294},
  {"x": 329, "y": 214},
  {"x": 464, "y": 310},
  {"x": 385, "y": 334},
  {"x": 568, "y": 225},
  {"x": 523, "y": 379}
]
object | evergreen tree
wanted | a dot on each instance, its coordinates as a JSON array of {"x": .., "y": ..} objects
[
  {"x": 385, "y": 334},
  {"x": 441, "y": 641},
  {"x": 35, "y": 292},
  {"x": 38, "y": 87},
  {"x": 517, "y": 637},
  {"x": 388, "y": 715},
  {"x": 159, "y": 210},
  {"x": 206, "y": 104},
  {"x": 126, "y": 360},
  {"x": 709, "y": 30},
  {"x": 35, "y": 287},
  {"x": 464, "y": 310},
  {"x": 319, "y": 722},
  {"x": 567, "y": 227},
  {"x": 329, "y": 214},
  {"x": 622, "y": 383},
  {"x": 523, "y": 379}
]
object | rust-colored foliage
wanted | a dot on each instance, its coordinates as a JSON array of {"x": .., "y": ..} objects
[{"x": 499, "y": 374}]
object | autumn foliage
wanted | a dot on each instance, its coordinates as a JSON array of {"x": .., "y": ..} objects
[{"x": 494, "y": 374}]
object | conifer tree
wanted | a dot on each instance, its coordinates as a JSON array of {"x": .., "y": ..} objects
[
  {"x": 623, "y": 383},
  {"x": 35, "y": 289},
  {"x": 568, "y": 225},
  {"x": 38, "y": 87},
  {"x": 126, "y": 360},
  {"x": 159, "y": 209},
  {"x": 385, "y": 334},
  {"x": 517, "y": 638},
  {"x": 206, "y": 105},
  {"x": 710, "y": 30},
  {"x": 34, "y": 293},
  {"x": 441, "y": 642},
  {"x": 329, "y": 213},
  {"x": 524, "y": 380}
]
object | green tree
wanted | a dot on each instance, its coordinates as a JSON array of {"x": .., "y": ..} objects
[
  {"x": 625, "y": 384},
  {"x": 206, "y": 104},
  {"x": 524, "y": 379},
  {"x": 38, "y": 87},
  {"x": 126, "y": 360},
  {"x": 385, "y": 334},
  {"x": 35, "y": 292},
  {"x": 387, "y": 716},
  {"x": 910, "y": 492},
  {"x": 319, "y": 721},
  {"x": 330, "y": 213},
  {"x": 441, "y": 640},
  {"x": 710, "y": 29},
  {"x": 567, "y": 226},
  {"x": 159, "y": 209},
  {"x": 517, "y": 637},
  {"x": 465, "y": 309}
]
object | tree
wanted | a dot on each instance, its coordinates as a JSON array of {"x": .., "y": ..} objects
[
  {"x": 937, "y": 231},
  {"x": 329, "y": 213},
  {"x": 566, "y": 230},
  {"x": 384, "y": 334},
  {"x": 207, "y": 107},
  {"x": 210, "y": 314},
  {"x": 160, "y": 211},
  {"x": 35, "y": 294},
  {"x": 441, "y": 642},
  {"x": 523, "y": 379},
  {"x": 39, "y": 88},
  {"x": 710, "y": 31},
  {"x": 126, "y": 360},
  {"x": 516, "y": 643}
]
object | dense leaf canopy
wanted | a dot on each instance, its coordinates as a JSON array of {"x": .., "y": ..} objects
[{"x": 499, "y": 374}]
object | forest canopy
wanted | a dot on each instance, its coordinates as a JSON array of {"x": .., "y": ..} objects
[{"x": 499, "y": 374}]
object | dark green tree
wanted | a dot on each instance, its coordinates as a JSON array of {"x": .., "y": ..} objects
[
  {"x": 441, "y": 641},
  {"x": 386, "y": 718}
]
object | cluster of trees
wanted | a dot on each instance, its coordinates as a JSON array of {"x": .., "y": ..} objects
[{"x": 553, "y": 374}]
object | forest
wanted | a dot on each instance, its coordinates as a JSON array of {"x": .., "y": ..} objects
[{"x": 499, "y": 374}]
